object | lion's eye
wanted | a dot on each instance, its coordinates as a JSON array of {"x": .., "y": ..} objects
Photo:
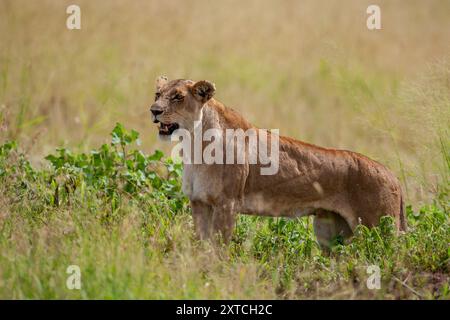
[
  {"x": 157, "y": 95},
  {"x": 177, "y": 97}
]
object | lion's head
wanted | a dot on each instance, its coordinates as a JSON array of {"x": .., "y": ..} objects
[{"x": 178, "y": 103}]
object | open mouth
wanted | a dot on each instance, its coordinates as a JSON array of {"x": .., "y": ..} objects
[{"x": 166, "y": 129}]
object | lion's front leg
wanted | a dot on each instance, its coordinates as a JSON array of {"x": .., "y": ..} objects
[
  {"x": 202, "y": 215},
  {"x": 223, "y": 222}
]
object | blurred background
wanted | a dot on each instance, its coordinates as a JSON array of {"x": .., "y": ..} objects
[{"x": 310, "y": 68}]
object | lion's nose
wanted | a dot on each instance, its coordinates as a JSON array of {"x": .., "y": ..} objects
[{"x": 156, "y": 112}]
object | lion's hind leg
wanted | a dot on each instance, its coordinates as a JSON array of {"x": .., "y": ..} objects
[{"x": 330, "y": 229}]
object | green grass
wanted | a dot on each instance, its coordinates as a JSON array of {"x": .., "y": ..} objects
[{"x": 119, "y": 215}]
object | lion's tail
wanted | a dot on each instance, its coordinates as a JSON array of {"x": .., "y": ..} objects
[{"x": 403, "y": 224}]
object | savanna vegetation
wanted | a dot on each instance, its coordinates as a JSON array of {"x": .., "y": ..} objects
[{"x": 79, "y": 188}]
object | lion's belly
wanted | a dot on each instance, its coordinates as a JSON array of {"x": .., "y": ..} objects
[{"x": 260, "y": 204}]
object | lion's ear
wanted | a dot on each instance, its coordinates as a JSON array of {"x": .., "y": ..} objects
[
  {"x": 203, "y": 90},
  {"x": 161, "y": 81}
]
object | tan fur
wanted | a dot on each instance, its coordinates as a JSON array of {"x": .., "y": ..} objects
[{"x": 342, "y": 188}]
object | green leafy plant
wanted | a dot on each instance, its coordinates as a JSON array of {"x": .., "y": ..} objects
[{"x": 114, "y": 172}]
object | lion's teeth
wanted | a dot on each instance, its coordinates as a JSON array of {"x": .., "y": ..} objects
[{"x": 163, "y": 128}]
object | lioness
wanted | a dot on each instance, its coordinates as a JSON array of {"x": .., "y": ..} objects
[{"x": 340, "y": 188}]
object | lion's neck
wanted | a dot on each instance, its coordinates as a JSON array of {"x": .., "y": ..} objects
[{"x": 218, "y": 116}]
